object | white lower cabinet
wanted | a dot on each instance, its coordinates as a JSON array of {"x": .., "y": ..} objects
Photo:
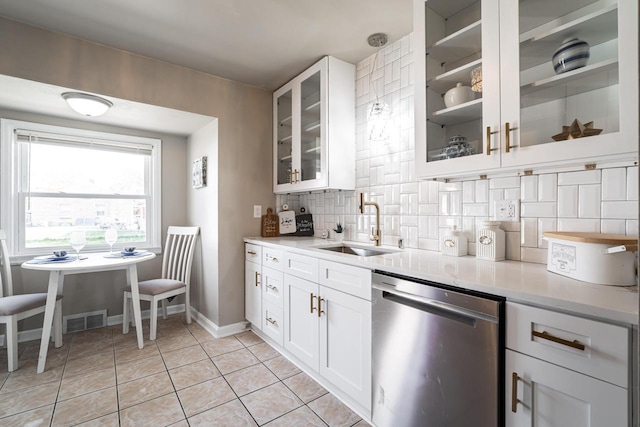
[
  {"x": 345, "y": 343},
  {"x": 330, "y": 332},
  {"x": 253, "y": 294},
  {"x": 301, "y": 320},
  {"x": 542, "y": 394},
  {"x": 565, "y": 370},
  {"x": 272, "y": 322}
]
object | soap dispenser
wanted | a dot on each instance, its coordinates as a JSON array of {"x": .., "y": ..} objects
[{"x": 454, "y": 243}]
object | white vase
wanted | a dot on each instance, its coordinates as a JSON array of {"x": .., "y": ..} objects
[
  {"x": 338, "y": 237},
  {"x": 458, "y": 95}
]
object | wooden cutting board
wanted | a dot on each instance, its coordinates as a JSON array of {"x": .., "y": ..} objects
[{"x": 270, "y": 224}]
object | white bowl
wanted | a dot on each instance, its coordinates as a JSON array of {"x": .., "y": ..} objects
[{"x": 458, "y": 95}]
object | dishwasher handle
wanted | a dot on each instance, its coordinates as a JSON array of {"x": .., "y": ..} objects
[{"x": 470, "y": 315}]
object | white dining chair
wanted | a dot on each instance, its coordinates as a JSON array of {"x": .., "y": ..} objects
[
  {"x": 175, "y": 279},
  {"x": 17, "y": 307}
]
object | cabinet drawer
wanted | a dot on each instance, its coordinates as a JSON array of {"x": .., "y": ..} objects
[
  {"x": 346, "y": 278},
  {"x": 272, "y": 322},
  {"x": 272, "y": 258},
  {"x": 252, "y": 253},
  {"x": 594, "y": 348},
  {"x": 272, "y": 286},
  {"x": 301, "y": 266}
]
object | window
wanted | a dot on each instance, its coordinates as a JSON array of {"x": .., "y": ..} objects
[{"x": 55, "y": 180}]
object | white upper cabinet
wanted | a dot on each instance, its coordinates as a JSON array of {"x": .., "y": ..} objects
[
  {"x": 521, "y": 112},
  {"x": 314, "y": 129}
]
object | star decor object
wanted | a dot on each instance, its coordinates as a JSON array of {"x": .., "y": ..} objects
[{"x": 576, "y": 130}]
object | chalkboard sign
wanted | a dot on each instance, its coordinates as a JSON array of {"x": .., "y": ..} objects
[
  {"x": 270, "y": 224},
  {"x": 304, "y": 225}
]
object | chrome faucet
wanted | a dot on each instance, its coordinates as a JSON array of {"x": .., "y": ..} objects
[{"x": 376, "y": 235}]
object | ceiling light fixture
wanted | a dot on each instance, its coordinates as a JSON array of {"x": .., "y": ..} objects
[
  {"x": 379, "y": 111},
  {"x": 86, "y": 104}
]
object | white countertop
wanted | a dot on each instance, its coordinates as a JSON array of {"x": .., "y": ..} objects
[{"x": 514, "y": 280}]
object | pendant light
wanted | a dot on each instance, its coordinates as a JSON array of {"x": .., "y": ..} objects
[
  {"x": 379, "y": 112},
  {"x": 86, "y": 104}
]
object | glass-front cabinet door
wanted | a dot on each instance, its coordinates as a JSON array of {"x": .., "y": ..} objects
[
  {"x": 508, "y": 85},
  {"x": 284, "y": 137},
  {"x": 300, "y": 131},
  {"x": 311, "y": 128},
  {"x": 569, "y": 79},
  {"x": 456, "y": 124}
]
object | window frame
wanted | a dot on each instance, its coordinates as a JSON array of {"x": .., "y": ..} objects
[{"x": 12, "y": 217}]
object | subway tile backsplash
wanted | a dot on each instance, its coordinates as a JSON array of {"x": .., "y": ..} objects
[{"x": 603, "y": 200}]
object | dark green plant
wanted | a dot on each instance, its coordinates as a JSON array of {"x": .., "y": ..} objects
[{"x": 339, "y": 228}]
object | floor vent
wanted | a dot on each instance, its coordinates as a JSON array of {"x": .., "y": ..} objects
[{"x": 84, "y": 321}]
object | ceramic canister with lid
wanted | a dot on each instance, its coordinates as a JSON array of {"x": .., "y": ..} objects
[
  {"x": 490, "y": 243},
  {"x": 454, "y": 243}
]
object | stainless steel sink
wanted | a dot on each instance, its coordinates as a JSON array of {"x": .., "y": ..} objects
[{"x": 355, "y": 250}]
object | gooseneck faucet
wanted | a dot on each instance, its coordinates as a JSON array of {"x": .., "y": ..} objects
[{"x": 376, "y": 235}]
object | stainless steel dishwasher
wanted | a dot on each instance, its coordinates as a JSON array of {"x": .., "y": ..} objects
[{"x": 438, "y": 355}]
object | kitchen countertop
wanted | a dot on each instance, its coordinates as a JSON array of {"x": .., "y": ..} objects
[{"x": 517, "y": 281}]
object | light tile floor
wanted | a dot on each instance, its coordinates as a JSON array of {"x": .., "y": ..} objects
[{"x": 184, "y": 378}]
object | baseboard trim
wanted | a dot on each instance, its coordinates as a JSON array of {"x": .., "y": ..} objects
[
  {"x": 215, "y": 330},
  {"x": 146, "y": 314}
]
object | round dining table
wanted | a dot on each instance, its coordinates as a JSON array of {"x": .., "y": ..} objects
[{"x": 88, "y": 263}]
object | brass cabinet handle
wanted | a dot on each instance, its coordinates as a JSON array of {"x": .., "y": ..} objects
[
  {"x": 547, "y": 336},
  {"x": 270, "y": 320},
  {"x": 514, "y": 392},
  {"x": 507, "y": 137},
  {"x": 251, "y": 252},
  {"x": 273, "y": 288},
  {"x": 489, "y": 133},
  {"x": 272, "y": 258},
  {"x": 311, "y": 307},
  {"x": 291, "y": 181},
  {"x": 320, "y": 310},
  {"x": 296, "y": 172},
  {"x": 257, "y": 277}
]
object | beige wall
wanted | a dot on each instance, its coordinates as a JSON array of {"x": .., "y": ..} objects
[{"x": 244, "y": 128}]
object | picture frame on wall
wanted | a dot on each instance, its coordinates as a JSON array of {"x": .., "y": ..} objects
[{"x": 199, "y": 173}]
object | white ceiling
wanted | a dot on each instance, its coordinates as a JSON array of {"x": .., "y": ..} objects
[{"x": 259, "y": 42}]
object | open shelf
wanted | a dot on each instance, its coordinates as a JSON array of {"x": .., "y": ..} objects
[
  {"x": 585, "y": 79},
  {"x": 537, "y": 46},
  {"x": 445, "y": 81},
  {"x": 459, "y": 114},
  {"x": 458, "y": 45},
  {"x": 312, "y": 106},
  {"x": 285, "y": 139},
  {"x": 312, "y": 127},
  {"x": 282, "y": 159},
  {"x": 285, "y": 121}
]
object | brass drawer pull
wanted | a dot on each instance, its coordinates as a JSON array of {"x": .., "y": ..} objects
[
  {"x": 270, "y": 320},
  {"x": 251, "y": 252},
  {"x": 257, "y": 279},
  {"x": 272, "y": 258},
  {"x": 514, "y": 392},
  {"x": 311, "y": 307},
  {"x": 489, "y": 133},
  {"x": 273, "y": 288},
  {"x": 547, "y": 336},
  {"x": 507, "y": 136}
]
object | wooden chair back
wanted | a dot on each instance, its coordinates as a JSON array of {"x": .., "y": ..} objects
[{"x": 178, "y": 253}]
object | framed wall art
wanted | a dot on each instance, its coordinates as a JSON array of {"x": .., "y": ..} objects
[{"x": 199, "y": 173}]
